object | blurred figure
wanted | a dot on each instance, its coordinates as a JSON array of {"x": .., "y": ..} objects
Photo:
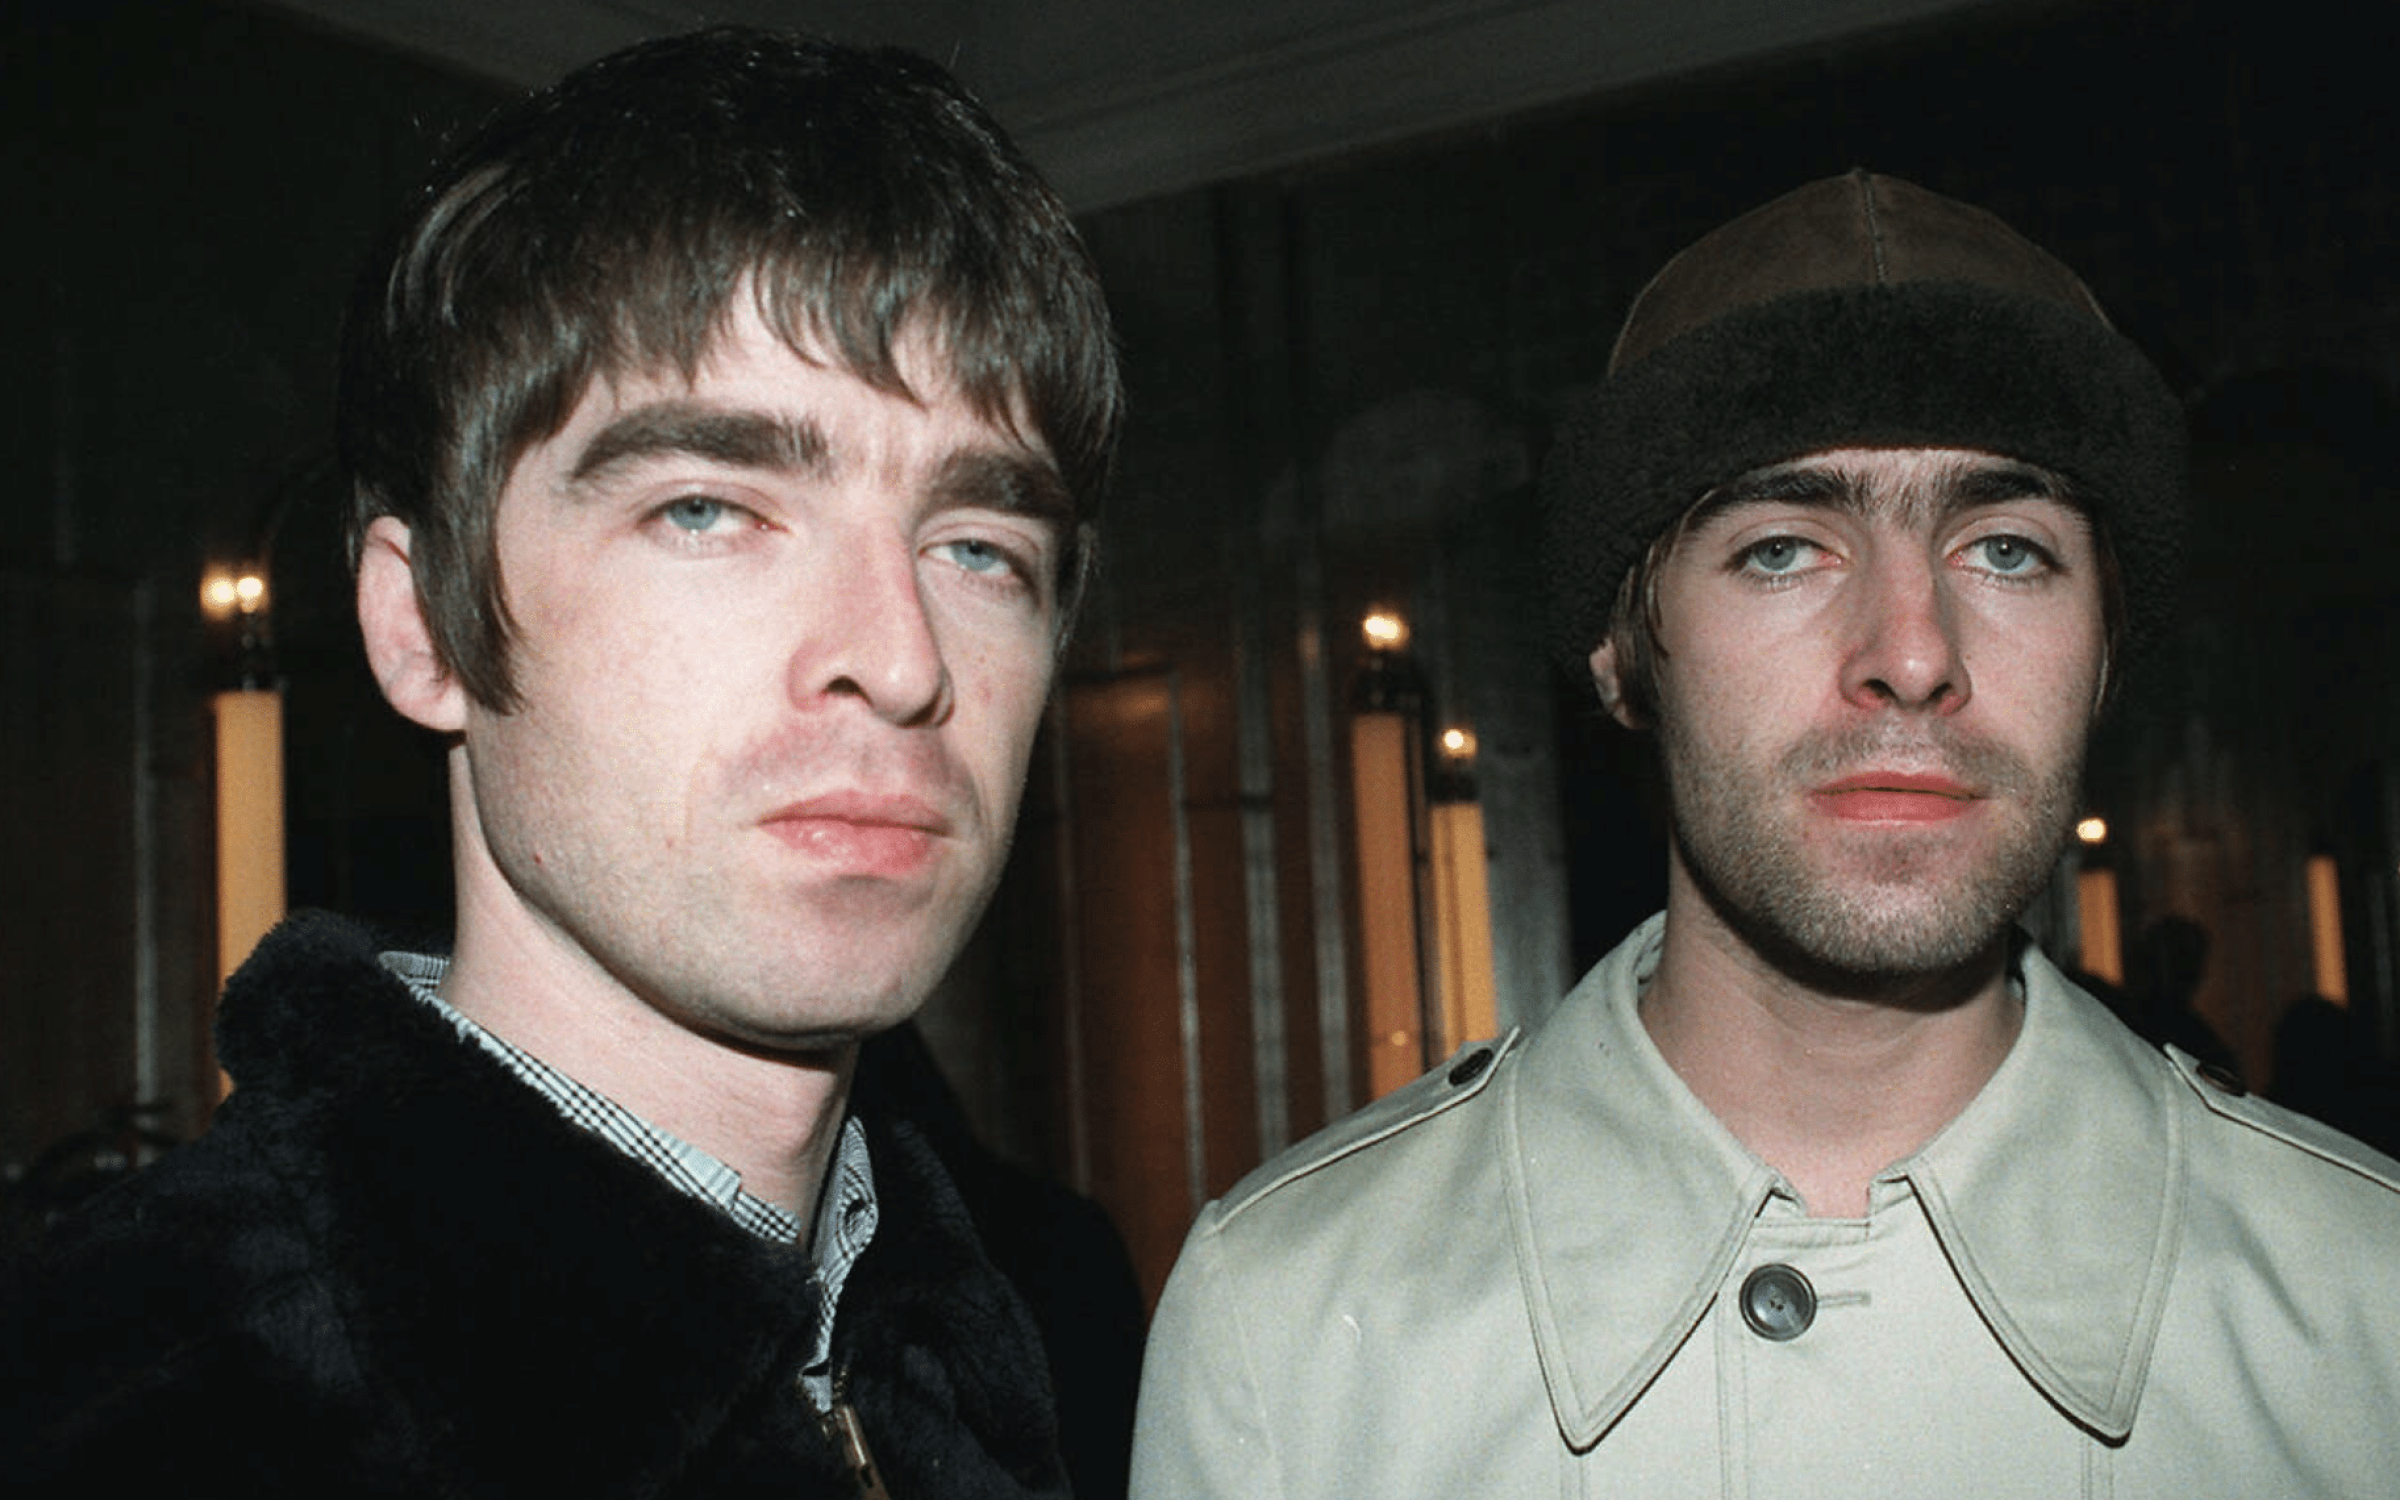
[
  {"x": 2164, "y": 971},
  {"x": 2326, "y": 1067}
]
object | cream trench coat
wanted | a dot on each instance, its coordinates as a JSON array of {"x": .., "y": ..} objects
[{"x": 1523, "y": 1276}]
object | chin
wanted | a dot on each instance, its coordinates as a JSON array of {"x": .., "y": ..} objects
[
  {"x": 802, "y": 1020},
  {"x": 1902, "y": 951},
  {"x": 812, "y": 1039}
]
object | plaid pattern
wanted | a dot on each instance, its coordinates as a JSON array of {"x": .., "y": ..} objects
[{"x": 846, "y": 1211}]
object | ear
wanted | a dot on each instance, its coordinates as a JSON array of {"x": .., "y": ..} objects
[
  {"x": 1611, "y": 684},
  {"x": 400, "y": 647}
]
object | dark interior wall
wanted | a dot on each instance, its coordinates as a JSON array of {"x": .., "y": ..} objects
[
  {"x": 190, "y": 188},
  {"x": 1341, "y": 380}
]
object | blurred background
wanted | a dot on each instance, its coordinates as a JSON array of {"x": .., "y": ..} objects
[{"x": 1312, "y": 807}]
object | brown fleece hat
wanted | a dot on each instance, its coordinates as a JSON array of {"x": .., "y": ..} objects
[{"x": 1860, "y": 311}]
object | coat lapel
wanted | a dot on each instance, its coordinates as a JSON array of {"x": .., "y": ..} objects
[
  {"x": 2059, "y": 1196},
  {"x": 1627, "y": 1199}
]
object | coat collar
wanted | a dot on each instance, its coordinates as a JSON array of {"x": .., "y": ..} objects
[{"x": 2057, "y": 1194}]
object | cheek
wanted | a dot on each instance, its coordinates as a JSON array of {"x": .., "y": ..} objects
[
  {"x": 1733, "y": 694},
  {"x": 622, "y": 715},
  {"x": 2056, "y": 673},
  {"x": 625, "y": 638},
  {"x": 2063, "y": 721},
  {"x": 1001, "y": 701},
  {"x": 1014, "y": 710}
]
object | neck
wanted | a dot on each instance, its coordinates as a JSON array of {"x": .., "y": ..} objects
[
  {"x": 1829, "y": 1083},
  {"x": 774, "y": 1118}
]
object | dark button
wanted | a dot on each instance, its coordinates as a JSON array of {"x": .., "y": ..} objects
[
  {"x": 2223, "y": 1079},
  {"x": 1778, "y": 1303},
  {"x": 1470, "y": 1067}
]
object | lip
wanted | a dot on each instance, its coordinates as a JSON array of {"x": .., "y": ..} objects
[
  {"x": 1896, "y": 797},
  {"x": 880, "y": 835}
]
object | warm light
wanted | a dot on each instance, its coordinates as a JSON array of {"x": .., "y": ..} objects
[
  {"x": 2330, "y": 970},
  {"x": 1458, "y": 744},
  {"x": 1383, "y": 814},
  {"x": 2092, "y": 830},
  {"x": 224, "y": 593},
  {"x": 250, "y": 873},
  {"x": 2096, "y": 913},
  {"x": 219, "y": 595},
  {"x": 1384, "y": 631},
  {"x": 1462, "y": 923}
]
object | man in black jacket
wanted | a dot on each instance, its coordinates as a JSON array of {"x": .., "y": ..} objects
[{"x": 726, "y": 427}]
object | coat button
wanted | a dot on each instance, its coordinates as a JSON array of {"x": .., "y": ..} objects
[
  {"x": 1470, "y": 1067},
  {"x": 2221, "y": 1078},
  {"x": 1778, "y": 1303}
]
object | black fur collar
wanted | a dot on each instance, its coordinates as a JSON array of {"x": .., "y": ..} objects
[{"x": 549, "y": 1316}]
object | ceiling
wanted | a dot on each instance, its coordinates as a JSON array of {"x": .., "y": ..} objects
[{"x": 1127, "y": 99}]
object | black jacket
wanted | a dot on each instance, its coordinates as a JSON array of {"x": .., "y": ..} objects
[{"x": 392, "y": 1268}]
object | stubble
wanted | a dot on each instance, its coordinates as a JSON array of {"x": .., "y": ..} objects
[{"x": 1870, "y": 904}]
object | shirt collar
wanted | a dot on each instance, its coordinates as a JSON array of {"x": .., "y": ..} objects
[{"x": 2057, "y": 1195}]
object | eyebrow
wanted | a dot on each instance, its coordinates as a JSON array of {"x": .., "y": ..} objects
[
  {"x": 1963, "y": 484},
  {"x": 739, "y": 439},
  {"x": 1014, "y": 481}
]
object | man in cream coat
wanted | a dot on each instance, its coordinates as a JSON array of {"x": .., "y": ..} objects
[{"x": 1825, "y": 1182}]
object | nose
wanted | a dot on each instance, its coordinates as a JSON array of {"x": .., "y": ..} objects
[
  {"x": 873, "y": 640},
  {"x": 1904, "y": 648}
]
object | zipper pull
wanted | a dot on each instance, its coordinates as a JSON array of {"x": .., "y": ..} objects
[{"x": 849, "y": 1435}]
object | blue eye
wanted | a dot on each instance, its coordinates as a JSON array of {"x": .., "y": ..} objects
[
  {"x": 695, "y": 513},
  {"x": 2008, "y": 556},
  {"x": 1777, "y": 554},
  {"x": 978, "y": 556}
]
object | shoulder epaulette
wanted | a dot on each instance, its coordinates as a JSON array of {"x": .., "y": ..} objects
[
  {"x": 1454, "y": 1082},
  {"x": 2226, "y": 1095}
]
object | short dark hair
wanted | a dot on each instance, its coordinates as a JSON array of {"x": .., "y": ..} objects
[
  {"x": 605, "y": 225},
  {"x": 1633, "y": 617}
]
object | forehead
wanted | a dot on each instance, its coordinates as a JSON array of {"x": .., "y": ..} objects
[{"x": 757, "y": 341}]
